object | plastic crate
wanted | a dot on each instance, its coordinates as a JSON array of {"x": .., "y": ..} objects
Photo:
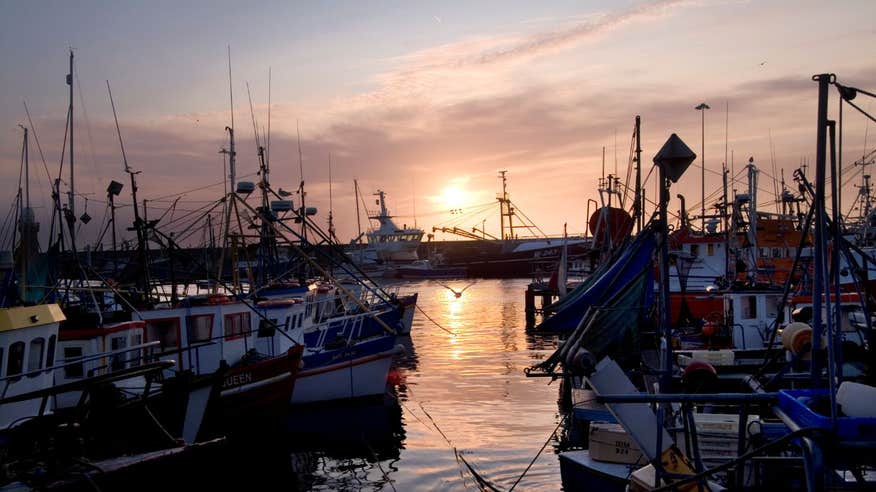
[{"x": 794, "y": 404}]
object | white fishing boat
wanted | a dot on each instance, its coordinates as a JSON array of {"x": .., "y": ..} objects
[{"x": 389, "y": 242}]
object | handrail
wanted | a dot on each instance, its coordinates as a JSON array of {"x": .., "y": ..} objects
[
  {"x": 80, "y": 360},
  {"x": 77, "y": 385},
  {"x": 690, "y": 398}
]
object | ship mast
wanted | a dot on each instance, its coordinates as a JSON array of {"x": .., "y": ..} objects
[
  {"x": 505, "y": 209},
  {"x": 71, "y": 203}
]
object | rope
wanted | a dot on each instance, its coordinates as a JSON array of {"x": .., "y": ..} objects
[
  {"x": 553, "y": 433},
  {"x": 433, "y": 321}
]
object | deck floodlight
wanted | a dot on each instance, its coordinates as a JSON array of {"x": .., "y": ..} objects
[
  {"x": 114, "y": 188},
  {"x": 674, "y": 158}
]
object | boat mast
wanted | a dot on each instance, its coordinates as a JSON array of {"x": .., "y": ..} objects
[
  {"x": 26, "y": 216},
  {"x": 505, "y": 209},
  {"x": 303, "y": 213},
  {"x": 358, "y": 218},
  {"x": 71, "y": 203},
  {"x": 139, "y": 225},
  {"x": 637, "y": 207}
]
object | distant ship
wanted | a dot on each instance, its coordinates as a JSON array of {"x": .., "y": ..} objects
[{"x": 389, "y": 243}]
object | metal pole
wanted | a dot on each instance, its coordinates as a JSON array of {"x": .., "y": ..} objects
[
  {"x": 637, "y": 207},
  {"x": 70, "y": 83},
  {"x": 818, "y": 204},
  {"x": 665, "y": 377},
  {"x": 702, "y": 109}
]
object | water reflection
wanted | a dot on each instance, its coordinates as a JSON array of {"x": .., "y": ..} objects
[
  {"x": 346, "y": 446},
  {"x": 465, "y": 391}
]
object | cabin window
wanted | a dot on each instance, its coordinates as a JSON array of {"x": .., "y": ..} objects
[
  {"x": 1, "y": 361},
  {"x": 777, "y": 253},
  {"x": 200, "y": 328},
  {"x": 35, "y": 358},
  {"x": 764, "y": 252},
  {"x": 772, "y": 306},
  {"x": 710, "y": 249},
  {"x": 50, "y": 353},
  {"x": 70, "y": 355},
  {"x": 16, "y": 359},
  {"x": 749, "y": 307},
  {"x": 164, "y": 331},
  {"x": 118, "y": 360},
  {"x": 695, "y": 249},
  {"x": 267, "y": 328},
  {"x": 236, "y": 325}
]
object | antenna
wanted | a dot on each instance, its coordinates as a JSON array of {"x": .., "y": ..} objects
[
  {"x": 230, "y": 89},
  {"x": 331, "y": 223}
]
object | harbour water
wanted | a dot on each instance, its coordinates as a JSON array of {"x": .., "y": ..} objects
[{"x": 462, "y": 410}]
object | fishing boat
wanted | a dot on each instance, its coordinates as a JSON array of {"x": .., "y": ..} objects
[{"x": 388, "y": 242}]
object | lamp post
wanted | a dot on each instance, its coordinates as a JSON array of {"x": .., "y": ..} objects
[
  {"x": 702, "y": 109},
  {"x": 672, "y": 160}
]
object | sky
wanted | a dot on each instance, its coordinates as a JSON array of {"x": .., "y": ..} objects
[{"x": 427, "y": 101}]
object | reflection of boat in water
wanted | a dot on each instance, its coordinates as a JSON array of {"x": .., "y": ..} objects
[{"x": 371, "y": 429}]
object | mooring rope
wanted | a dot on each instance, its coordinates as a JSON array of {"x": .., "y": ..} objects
[{"x": 433, "y": 321}]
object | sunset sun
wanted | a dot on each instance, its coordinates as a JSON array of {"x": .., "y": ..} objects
[{"x": 453, "y": 197}]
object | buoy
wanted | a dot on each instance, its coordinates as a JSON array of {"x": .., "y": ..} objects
[
  {"x": 709, "y": 329},
  {"x": 789, "y": 331},
  {"x": 699, "y": 376}
]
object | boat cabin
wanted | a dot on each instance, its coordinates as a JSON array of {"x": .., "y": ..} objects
[
  {"x": 28, "y": 338},
  {"x": 202, "y": 332}
]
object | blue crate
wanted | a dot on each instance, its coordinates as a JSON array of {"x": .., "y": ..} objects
[{"x": 794, "y": 404}]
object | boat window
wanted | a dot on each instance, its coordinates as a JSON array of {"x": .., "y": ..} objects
[
  {"x": 236, "y": 325},
  {"x": 267, "y": 328},
  {"x": 777, "y": 253},
  {"x": 772, "y": 306},
  {"x": 165, "y": 331},
  {"x": 118, "y": 360},
  {"x": 50, "y": 353},
  {"x": 72, "y": 370},
  {"x": 1, "y": 361},
  {"x": 710, "y": 249},
  {"x": 200, "y": 328},
  {"x": 35, "y": 358},
  {"x": 749, "y": 307},
  {"x": 16, "y": 359},
  {"x": 695, "y": 249},
  {"x": 134, "y": 358}
]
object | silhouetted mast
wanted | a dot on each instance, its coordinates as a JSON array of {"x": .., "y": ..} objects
[{"x": 71, "y": 204}]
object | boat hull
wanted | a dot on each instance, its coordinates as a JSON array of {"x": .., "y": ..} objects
[
  {"x": 354, "y": 377},
  {"x": 259, "y": 389},
  {"x": 581, "y": 472}
]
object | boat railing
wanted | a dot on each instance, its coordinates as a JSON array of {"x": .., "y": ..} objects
[
  {"x": 690, "y": 434},
  {"x": 7, "y": 381},
  {"x": 85, "y": 385}
]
